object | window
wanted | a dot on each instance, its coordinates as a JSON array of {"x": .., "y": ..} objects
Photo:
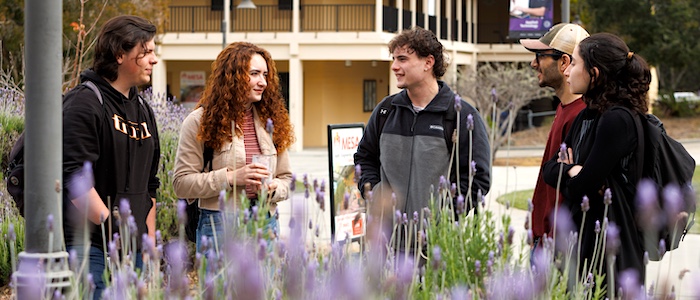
[{"x": 369, "y": 95}]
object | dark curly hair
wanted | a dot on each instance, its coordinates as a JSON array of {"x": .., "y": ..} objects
[
  {"x": 623, "y": 77},
  {"x": 424, "y": 43},
  {"x": 117, "y": 37},
  {"x": 224, "y": 98}
]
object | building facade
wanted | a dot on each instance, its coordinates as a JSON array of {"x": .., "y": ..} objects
[{"x": 331, "y": 55}]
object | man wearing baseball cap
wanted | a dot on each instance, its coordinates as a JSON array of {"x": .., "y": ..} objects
[{"x": 552, "y": 55}]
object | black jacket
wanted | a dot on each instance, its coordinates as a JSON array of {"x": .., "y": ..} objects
[
  {"x": 120, "y": 139},
  {"x": 604, "y": 144},
  {"x": 410, "y": 154}
]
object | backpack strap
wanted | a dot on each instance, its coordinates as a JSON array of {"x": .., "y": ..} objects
[
  {"x": 91, "y": 85},
  {"x": 638, "y": 166},
  {"x": 449, "y": 124}
]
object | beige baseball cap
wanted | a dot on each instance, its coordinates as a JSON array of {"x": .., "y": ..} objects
[{"x": 562, "y": 37}]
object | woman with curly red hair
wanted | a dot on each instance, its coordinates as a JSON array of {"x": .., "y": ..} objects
[{"x": 241, "y": 115}]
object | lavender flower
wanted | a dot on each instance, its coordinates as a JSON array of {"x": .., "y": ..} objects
[
  {"x": 124, "y": 208},
  {"x": 607, "y": 196},
  {"x": 182, "y": 212},
  {"x": 269, "y": 127},
  {"x": 563, "y": 154},
  {"x": 472, "y": 168},
  {"x": 49, "y": 222},
  {"x": 460, "y": 204},
  {"x": 673, "y": 200},
  {"x": 293, "y": 183},
  {"x": 662, "y": 248},
  {"x": 458, "y": 102},
  {"x": 597, "y": 226},
  {"x": 477, "y": 268},
  {"x": 613, "y": 239},
  {"x": 437, "y": 258},
  {"x": 585, "y": 204},
  {"x": 630, "y": 285},
  {"x": 470, "y": 122},
  {"x": 415, "y": 217}
]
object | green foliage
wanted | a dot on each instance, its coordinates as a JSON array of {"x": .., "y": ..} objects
[
  {"x": 516, "y": 199},
  {"x": 666, "y": 105},
  {"x": 662, "y": 31},
  {"x": 9, "y": 215},
  {"x": 167, "y": 200}
]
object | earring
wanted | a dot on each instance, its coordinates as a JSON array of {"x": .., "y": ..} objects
[{"x": 425, "y": 70}]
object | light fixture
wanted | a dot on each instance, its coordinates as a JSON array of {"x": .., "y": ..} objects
[
  {"x": 348, "y": 63},
  {"x": 246, "y": 4}
]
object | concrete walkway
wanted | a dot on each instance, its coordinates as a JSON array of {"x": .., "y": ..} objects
[{"x": 505, "y": 179}]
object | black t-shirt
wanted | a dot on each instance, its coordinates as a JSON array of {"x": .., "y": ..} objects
[{"x": 539, "y": 3}]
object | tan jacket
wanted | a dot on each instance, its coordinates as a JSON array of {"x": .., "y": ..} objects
[{"x": 189, "y": 182}]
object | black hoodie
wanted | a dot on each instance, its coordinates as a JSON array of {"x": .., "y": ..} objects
[{"x": 120, "y": 139}]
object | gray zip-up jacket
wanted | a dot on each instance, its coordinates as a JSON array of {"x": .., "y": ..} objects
[{"x": 411, "y": 153}]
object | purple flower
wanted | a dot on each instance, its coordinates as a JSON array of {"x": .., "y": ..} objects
[
  {"x": 612, "y": 239},
  {"x": 673, "y": 201},
  {"x": 630, "y": 285},
  {"x": 293, "y": 183},
  {"x": 460, "y": 204},
  {"x": 182, "y": 212},
  {"x": 563, "y": 154},
  {"x": 597, "y": 226},
  {"x": 458, "y": 102},
  {"x": 511, "y": 233},
  {"x": 269, "y": 127},
  {"x": 443, "y": 182},
  {"x": 493, "y": 95},
  {"x": 437, "y": 258},
  {"x": 585, "y": 204},
  {"x": 49, "y": 222},
  {"x": 648, "y": 205},
  {"x": 472, "y": 168},
  {"x": 124, "y": 208},
  {"x": 662, "y": 248},
  {"x": 415, "y": 217},
  {"x": 477, "y": 268},
  {"x": 470, "y": 122},
  {"x": 262, "y": 249},
  {"x": 607, "y": 196}
]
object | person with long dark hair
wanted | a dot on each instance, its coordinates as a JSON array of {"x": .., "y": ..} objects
[
  {"x": 599, "y": 162},
  {"x": 241, "y": 114}
]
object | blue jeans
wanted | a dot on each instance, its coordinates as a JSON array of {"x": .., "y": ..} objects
[
  {"x": 96, "y": 266},
  {"x": 207, "y": 227}
]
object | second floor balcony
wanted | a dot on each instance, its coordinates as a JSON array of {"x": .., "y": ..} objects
[{"x": 312, "y": 18}]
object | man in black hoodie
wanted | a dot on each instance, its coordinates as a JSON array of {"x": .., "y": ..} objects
[{"x": 113, "y": 141}]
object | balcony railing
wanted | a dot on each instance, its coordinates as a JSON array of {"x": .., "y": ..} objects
[{"x": 270, "y": 18}]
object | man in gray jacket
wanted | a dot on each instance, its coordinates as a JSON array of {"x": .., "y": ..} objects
[{"x": 407, "y": 143}]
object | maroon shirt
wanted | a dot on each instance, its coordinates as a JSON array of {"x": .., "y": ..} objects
[{"x": 545, "y": 196}]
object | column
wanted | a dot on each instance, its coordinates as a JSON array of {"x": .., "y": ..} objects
[
  {"x": 296, "y": 97},
  {"x": 159, "y": 79}
]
